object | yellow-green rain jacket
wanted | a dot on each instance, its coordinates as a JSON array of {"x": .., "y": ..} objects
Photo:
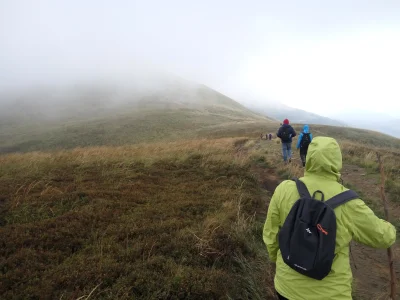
[{"x": 355, "y": 220}]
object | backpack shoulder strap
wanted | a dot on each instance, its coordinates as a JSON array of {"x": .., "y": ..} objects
[
  {"x": 301, "y": 188},
  {"x": 342, "y": 198}
]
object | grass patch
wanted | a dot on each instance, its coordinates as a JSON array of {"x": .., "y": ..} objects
[
  {"x": 365, "y": 156},
  {"x": 393, "y": 189},
  {"x": 164, "y": 221}
]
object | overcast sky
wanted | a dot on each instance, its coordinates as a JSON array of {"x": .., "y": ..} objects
[{"x": 322, "y": 56}]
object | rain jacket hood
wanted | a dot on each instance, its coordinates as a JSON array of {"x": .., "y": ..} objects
[
  {"x": 306, "y": 129},
  {"x": 324, "y": 158},
  {"x": 355, "y": 220}
]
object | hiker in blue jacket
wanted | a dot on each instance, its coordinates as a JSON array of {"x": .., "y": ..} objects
[
  {"x": 303, "y": 142},
  {"x": 286, "y": 133}
]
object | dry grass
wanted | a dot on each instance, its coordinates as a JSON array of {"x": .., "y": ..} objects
[
  {"x": 162, "y": 221},
  {"x": 175, "y": 220},
  {"x": 365, "y": 156}
]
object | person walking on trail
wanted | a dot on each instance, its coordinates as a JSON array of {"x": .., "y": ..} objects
[
  {"x": 303, "y": 142},
  {"x": 311, "y": 252},
  {"x": 286, "y": 133}
]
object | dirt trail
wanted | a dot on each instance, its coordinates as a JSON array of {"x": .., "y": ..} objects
[
  {"x": 268, "y": 180},
  {"x": 370, "y": 266}
]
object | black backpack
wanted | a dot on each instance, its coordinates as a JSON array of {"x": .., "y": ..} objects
[
  {"x": 305, "y": 140},
  {"x": 285, "y": 134},
  {"x": 308, "y": 236}
]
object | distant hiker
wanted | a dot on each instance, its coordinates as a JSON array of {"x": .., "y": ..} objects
[
  {"x": 303, "y": 142},
  {"x": 286, "y": 133},
  {"x": 269, "y": 136},
  {"x": 309, "y": 240},
  {"x": 261, "y": 136}
]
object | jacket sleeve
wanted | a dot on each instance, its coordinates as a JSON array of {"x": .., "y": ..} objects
[
  {"x": 366, "y": 227},
  {"x": 299, "y": 140},
  {"x": 271, "y": 227},
  {"x": 310, "y": 137},
  {"x": 278, "y": 134},
  {"x": 293, "y": 132}
]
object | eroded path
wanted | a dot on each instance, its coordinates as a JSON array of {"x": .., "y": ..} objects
[{"x": 369, "y": 265}]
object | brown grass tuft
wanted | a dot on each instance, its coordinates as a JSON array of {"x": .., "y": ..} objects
[{"x": 166, "y": 220}]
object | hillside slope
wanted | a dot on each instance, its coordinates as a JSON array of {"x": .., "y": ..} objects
[
  {"x": 113, "y": 115},
  {"x": 365, "y": 137},
  {"x": 177, "y": 215},
  {"x": 106, "y": 113},
  {"x": 168, "y": 220}
]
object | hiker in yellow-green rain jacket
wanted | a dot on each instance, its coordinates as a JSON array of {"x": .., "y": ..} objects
[{"x": 355, "y": 220}]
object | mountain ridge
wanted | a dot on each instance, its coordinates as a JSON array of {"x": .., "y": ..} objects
[{"x": 112, "y": 116}]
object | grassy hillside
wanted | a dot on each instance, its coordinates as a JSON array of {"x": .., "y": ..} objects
[
  {"x": 106, "y": 117},
  {"x": 155, "y": 125},
  {"x": 162, "y": 199},
  {"x": 169, "y": 220},
  {"x": 96, "y": 115},
  {"x": 366, "y": 137},
  {"x": 160, "y": 221},
  {"x": 128, "y": 128}
]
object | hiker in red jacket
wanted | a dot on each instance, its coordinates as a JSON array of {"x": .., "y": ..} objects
[{"x": 286, "y": 133}]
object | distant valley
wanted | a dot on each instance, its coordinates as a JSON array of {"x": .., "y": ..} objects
[{"x": 280, "y": 112}]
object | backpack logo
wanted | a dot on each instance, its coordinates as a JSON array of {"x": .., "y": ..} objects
[
  {"x": 302, "y": 238},
  {"x": 300, "y": 267}
]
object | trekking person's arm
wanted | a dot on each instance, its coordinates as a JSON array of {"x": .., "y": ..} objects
[
  {"x": 293, "y": 132},
  {"x": 366, "y": 227},
  {"x": 271, "y": 227},
  {"x": 299, "y": 140},
  {"x": 278, "y": 134}
]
